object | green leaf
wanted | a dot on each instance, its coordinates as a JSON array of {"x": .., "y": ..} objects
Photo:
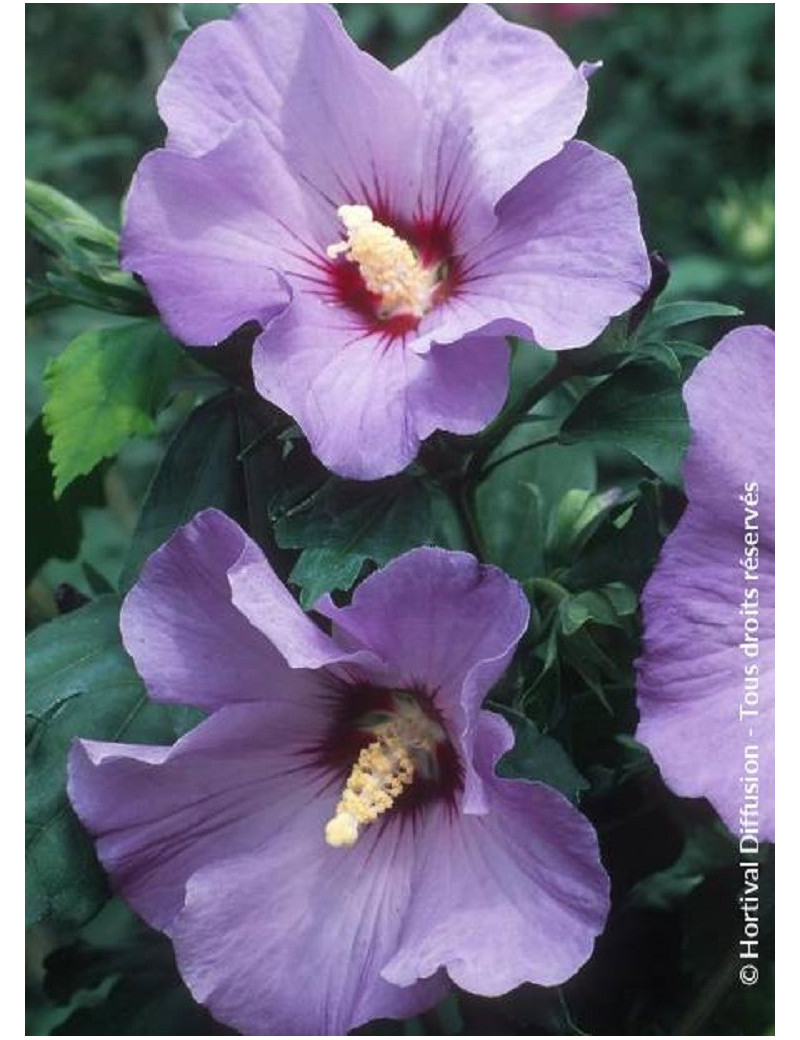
[
  {"x": 318, "y": 571},
  {"x": 515, "y": 502},
  {"x": 640, "y": 409},
  {"x": 104, "y": 388},
  {"x": 52, "y": 527},
  {"x": 573, "y": 521},
  {"x": 670, "y": 315},
  {"x": 625, "y": 547},
  {"x": 606, "y": 606},
  {"x": 346, "y": 523},
  {"x": 79, "y": 683},
  {"x": 536, "y": 756},
  {"x": 597, "y": 667},
  {"x": 679, "y": 356},
  {"x": 227, "y": 456},
  {"x": 708, "y": 847},
  {"x": 135, "y": 990}
]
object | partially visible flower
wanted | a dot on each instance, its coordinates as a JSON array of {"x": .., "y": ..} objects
[
  {"x": 706, "y": 679},
  {"x": 387, "y": 229},
  {"x": 332, "y": 845}
]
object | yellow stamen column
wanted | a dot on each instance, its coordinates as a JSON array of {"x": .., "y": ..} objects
[
  {"x": 387, "y": 263},
  {"x": 383, "y": 770}
]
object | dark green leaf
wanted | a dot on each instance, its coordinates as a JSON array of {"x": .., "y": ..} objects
[
  {"x": 515, "y": 503},
  {"x": 52, "y": 527},
  {"x": 346, "y": 523},
  {"x": 98, "y": 584},
  {"x": 318, "y": 571},
  {"x": 707, "y": 848},
  {"x": 606, "y": 606},
  {"x": 226, "y": 456},
  {"x": 136, "y": 991},
  {"x": 79, "y": 683},
  {"x": 536, "y": 756},
  {"x": 665, "y": 355},
  {"x": 583, "y": 652},
  {"x": 625, "y": 547},
  {"x": 410, "y": 19},
  {"x": 670, "y": 315},
  {"x": 640, "y": 409},
  {"x": 528, "y": 1011},
  {"x": 573, "y": 521},
  {"x": 104, "y": 388}
]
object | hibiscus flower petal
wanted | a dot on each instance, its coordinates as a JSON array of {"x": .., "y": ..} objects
[
  {"x": 158, "y": 814},
  {"x": 731, "y": 395},
  {"x": 365, "y": 402},
  {"x": 461, "y": 387},
  {"x": 340, "y": 118},
  {"x": 190, "y": 641},
  {"x": 695, "y": 674},
  {"x": 214, "y": 235},
  {"x": 442, "y": 619},
  {"x": 520, "y": 892},
  {"x": 691, "y": 675},
  {"x": 509, "y": 89},
  {"x": 292, "y": 939},
  {"x": 569, "y": 232}
]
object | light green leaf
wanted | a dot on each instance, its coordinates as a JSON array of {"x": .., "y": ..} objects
[
  {"x": 104, "y": 388},
  {"x": 625, "y": 546}
]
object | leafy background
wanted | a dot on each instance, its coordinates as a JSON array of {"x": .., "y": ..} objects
[{"x": 685, "y": 99}]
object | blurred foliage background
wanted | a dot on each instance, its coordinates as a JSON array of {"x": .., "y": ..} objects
[{"x": 685, "y": 99}]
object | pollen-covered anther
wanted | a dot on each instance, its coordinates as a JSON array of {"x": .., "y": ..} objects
[
  {"x": 383, "y": 771},
  {"x": 390, "y": 268}
]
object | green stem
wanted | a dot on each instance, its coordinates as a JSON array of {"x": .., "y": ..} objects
[
  {"x": 509, "y": 419},
  {"x": 464, "y": 504},
  {"x": 492, "y": 466}
]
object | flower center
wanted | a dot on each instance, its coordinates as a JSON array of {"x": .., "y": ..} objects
[
  {"x": 389, "y": 267},
  {"x": 405, "y": 747}
]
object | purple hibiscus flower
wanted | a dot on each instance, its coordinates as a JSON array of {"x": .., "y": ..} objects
[
  {"x": 331, "y": 844},
  {"x": 706, "y": 679},
  {"x": 386, "y": 229}
]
